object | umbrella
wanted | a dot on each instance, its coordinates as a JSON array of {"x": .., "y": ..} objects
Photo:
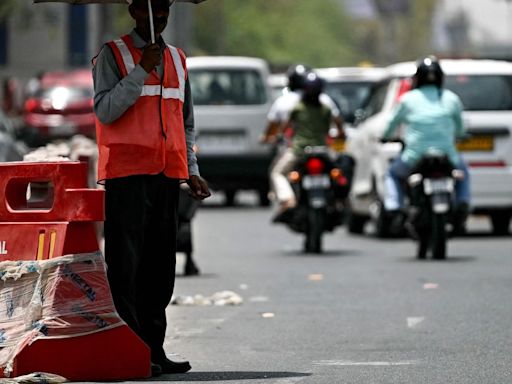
[{"x": 118, "y": 2}]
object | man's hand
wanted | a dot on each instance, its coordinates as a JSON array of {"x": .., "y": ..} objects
[
  {"x": 198, "y": 187},
  {"x": 151, "y": 57}
]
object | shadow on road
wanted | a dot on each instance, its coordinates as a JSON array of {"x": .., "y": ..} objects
[
  {"x": 324, "y": 254},
  {"x": 449, "y": 259},
  {"x": 229, "y": 376}
]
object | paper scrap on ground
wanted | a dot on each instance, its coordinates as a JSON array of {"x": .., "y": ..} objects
[
  {"x": 221, "y": 298},
  {"x": 414, "y": 321}
]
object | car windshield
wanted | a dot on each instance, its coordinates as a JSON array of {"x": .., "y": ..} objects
[
  {"x": 227, "y": 87},
  {"x": 482, "y": 92},
  {"x": 349, "y": 96}
]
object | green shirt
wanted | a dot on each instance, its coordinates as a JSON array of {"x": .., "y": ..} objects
[{"x": 311, "y": 125}]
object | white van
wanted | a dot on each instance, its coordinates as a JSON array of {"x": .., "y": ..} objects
[{"x": 231, "y": 100}]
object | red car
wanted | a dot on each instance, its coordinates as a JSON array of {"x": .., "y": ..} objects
[{"x": 59, "y": 107}]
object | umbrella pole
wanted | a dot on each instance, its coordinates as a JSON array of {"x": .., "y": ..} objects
[{"x": 151, "y": 22}]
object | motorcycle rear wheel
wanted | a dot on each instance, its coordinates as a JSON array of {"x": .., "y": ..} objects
[
  {"x": 316, "y": 226},
  {"x": 438, "y": 236}
]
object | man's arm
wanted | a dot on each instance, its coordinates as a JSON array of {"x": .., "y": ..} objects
[
  {"x": 460, "y": 130},
  {"x": 190, "y": 133},
  {"x": 113, "y": 95},
  {"x": 396, "y": 119}
]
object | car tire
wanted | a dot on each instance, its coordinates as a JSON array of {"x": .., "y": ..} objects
[
  {"x": 356, "y": 223},
  {"x": 263, "y": 199},
  {"x": 500, "y": 222},
  {"x": 382, "y": 220},
  {"x": 230, "y": 195}
]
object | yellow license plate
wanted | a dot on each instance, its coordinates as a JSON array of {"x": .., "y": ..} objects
[
  {"x": 338, "y": 145},
  {"x": 477, "y": 143}
]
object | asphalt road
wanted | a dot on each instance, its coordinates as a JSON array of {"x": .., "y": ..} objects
[{"x": 363, "y": 312}]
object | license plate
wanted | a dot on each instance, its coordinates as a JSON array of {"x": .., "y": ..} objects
[
  {"x": 66, "y": 129},
  {"x": 316, "y": 181},
  {"x": 338, "y": 145},
  {"x": 222, "y": 141},
  {"x": 483, "y": 143},
  {"x": 438, "y": 185}
]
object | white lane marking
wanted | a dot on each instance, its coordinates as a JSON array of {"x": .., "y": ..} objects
[
  {"x": 412, "y": 322},
  {"x": 430, "y": 286},
  {"x": 345, "y": 363}
]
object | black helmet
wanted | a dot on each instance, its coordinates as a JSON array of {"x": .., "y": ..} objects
[
  {"x": 296, "y": 75},
  {"x": 313, "y": 87},
  {"x": 313, "y": 84},
  {"x": 428, "y": 71}
]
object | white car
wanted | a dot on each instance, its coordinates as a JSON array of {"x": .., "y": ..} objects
[
  {"x": 231, "y": 101},
  {"x": 485, "y": 88},
  {"x": 350, "y": 87}
]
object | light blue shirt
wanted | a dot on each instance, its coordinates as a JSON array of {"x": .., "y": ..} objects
[{"x": 433, "y": 120}]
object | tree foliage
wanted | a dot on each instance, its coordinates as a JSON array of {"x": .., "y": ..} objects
[
  {"x": 281, "y": 31},
  {"x": 7, "y": 7}
]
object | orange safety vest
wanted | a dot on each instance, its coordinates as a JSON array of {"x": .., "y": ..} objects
[{"x": 149, "y": 137}]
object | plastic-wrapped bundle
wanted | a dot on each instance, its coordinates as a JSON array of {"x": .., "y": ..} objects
[{"x": 67, "y": 296}]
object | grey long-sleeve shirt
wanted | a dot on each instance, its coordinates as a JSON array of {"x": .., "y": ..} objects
[{"x": 114, "y": 94}]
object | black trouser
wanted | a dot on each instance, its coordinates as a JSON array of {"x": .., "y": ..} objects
[{"x": 140, "y": 252}]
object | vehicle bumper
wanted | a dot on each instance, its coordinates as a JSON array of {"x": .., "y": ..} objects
[
  {"x": 491, "y": 189},
  {"x": 236, "y": 171}
]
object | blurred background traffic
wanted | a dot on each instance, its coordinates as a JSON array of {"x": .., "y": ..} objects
[{"x": 238, "y": 55}]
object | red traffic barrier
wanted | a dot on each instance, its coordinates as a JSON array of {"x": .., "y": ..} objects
[
  {"x": 46, "y": 210},
  {"x": 48, "y": 238}
]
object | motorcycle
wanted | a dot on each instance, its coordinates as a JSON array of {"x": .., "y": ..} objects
[
  {"x": 431, "y": 187},
  {"x": 321, "y": 188}
]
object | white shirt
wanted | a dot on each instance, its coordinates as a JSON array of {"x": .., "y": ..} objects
[{"x": 282, "y": 108}]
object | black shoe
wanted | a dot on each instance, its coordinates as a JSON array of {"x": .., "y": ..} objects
[
  {"x": 168, "y": 366},
  {"x": 284, "y": 217},
  {"x": 412, "y": 221},
  {"x": 460, "y": 217},
  {"x": 191, "y": 268},
  {"x": 156, "y": 370}
]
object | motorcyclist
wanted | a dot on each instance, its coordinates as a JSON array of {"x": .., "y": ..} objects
[
  {"x": 310, "y": 121},
  {"x": 433, "y": 119},
  {"x": 279, "y": 113}
]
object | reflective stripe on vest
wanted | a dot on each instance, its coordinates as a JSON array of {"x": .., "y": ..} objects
[{"x": 156, "y": 90}]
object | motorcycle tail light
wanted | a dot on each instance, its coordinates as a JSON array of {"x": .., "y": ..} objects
[
  {"x": 338, "y": 176},
  {"x": 415, "y": 179},
  {"x": 315, "y": 166},
  {"x": 31, "y": 105},
  {"x": 335, "y": 173},
  {"x": 458, "y": 174},
  {"x": 294, "y": 176}
]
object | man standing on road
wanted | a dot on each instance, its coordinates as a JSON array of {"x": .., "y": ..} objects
[{"x": 145, "y": 135}]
